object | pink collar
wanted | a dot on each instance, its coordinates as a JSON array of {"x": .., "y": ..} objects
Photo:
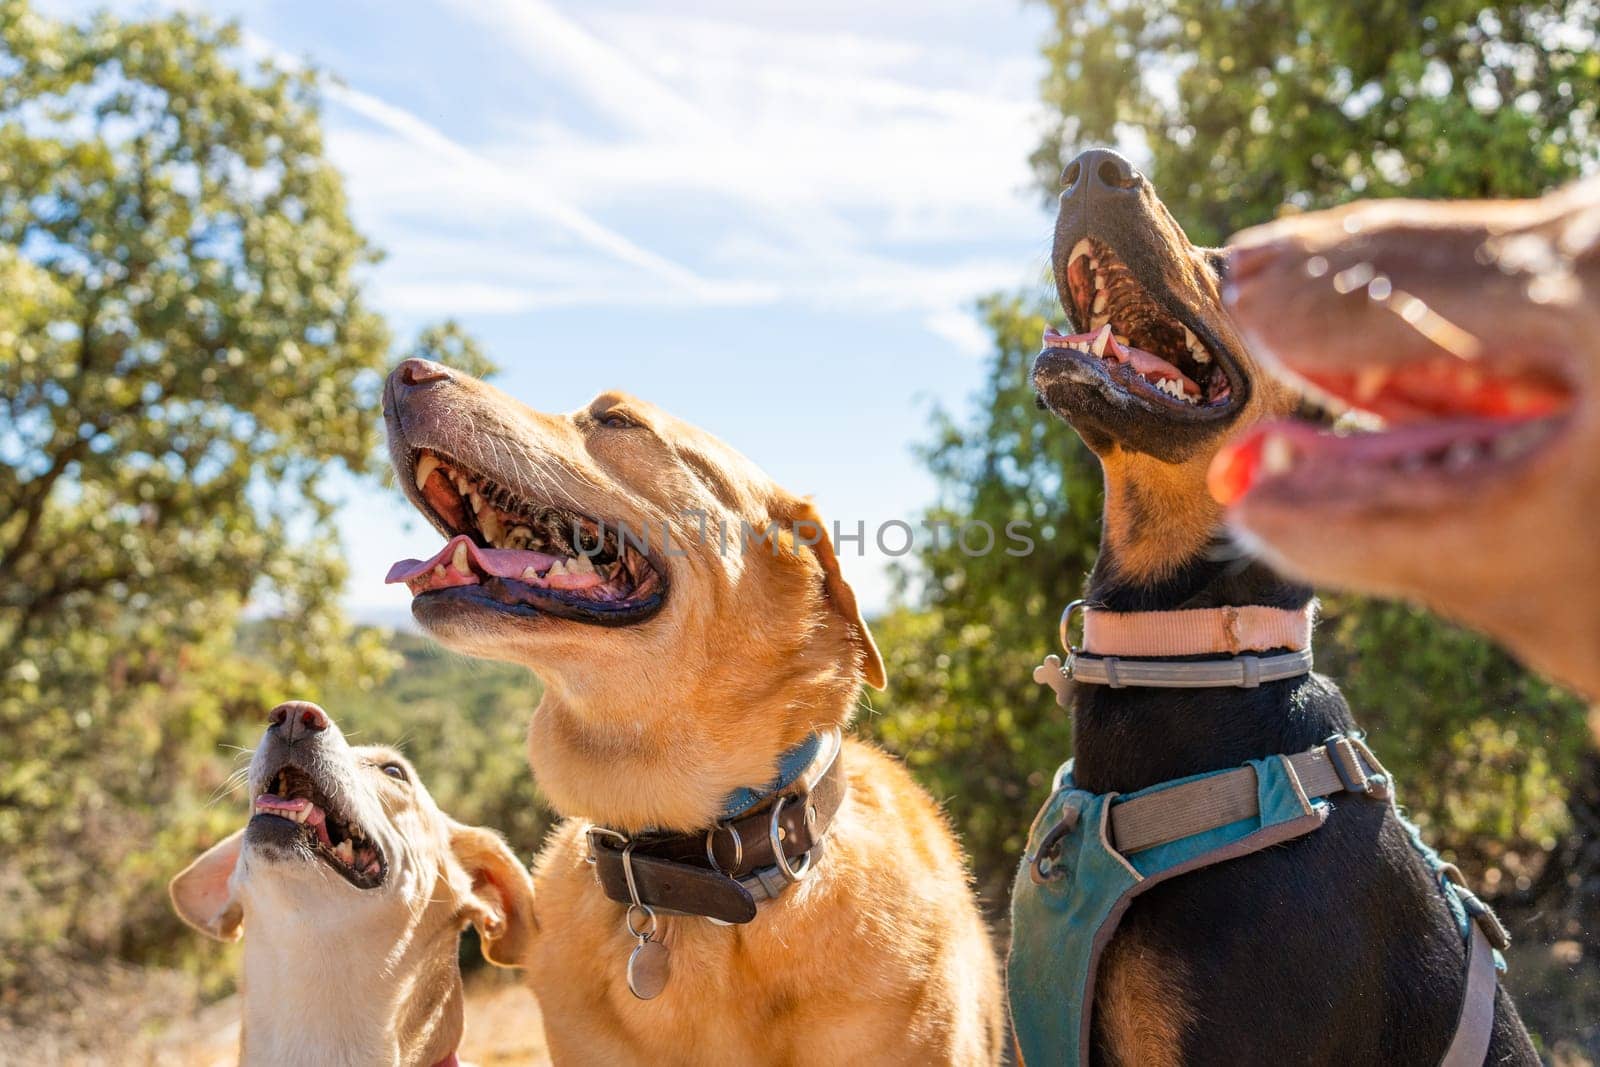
[{"x": 1194, "y": 632}]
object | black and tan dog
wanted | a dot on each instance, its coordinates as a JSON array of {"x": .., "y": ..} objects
[{"x": 1336, "y": 946}]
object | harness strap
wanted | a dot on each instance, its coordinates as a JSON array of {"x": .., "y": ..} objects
[
  {"x": 1343, "y": 764},
  {"x": 1475, "y": 1026},
  {"x": 1196, "y": 631}
]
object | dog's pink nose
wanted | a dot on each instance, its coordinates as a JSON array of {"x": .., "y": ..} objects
[{"x": 295, "y": 719}]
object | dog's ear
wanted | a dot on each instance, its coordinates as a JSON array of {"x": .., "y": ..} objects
[
  {"x": 802, "y": 518},
  {"x": 201, "y": 893},
  {"x": 500, "y": 903}
]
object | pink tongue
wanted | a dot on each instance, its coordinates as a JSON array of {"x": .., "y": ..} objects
[
  {"x": 317, "y": 819},
  {"x": 1147, "y": 365},
  {"x": 421, "y": 575}
]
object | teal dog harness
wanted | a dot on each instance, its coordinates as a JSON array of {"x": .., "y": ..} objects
[{"x": 1091, "y": 854}]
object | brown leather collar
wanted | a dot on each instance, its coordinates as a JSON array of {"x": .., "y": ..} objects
[{"x": 721, "y": 872}]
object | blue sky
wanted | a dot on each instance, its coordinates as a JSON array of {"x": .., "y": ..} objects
[{"x": 770, "y": 219}]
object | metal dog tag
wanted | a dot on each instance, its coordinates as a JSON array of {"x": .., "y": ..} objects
[
  {"x": 1054, "y": 675},
  {"x": 647, "y": 970}
]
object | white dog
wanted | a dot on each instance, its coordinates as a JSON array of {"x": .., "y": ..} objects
[{"x": 355, "y": 888}]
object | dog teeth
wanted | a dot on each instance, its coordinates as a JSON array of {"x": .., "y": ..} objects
[
  {"x": 519, "y": 537},
  {"x": 1100, "y": 339},
  {"x": 346, "y": 852},
  {"x": 1196, "y": 349},
  {"x": 489, "y": 523},
  {"x": 580, "y": 565},
  {"x": 458, "y": 559},
  {"x": 1277, "y": 455},
  {"x": 1516, "y": 442},
  {"x": 1101, "y": 301},
  {"x": 1370, "y": 381},
  {"x": 1079, "y": 250},
  {"x": 560, "y": 567},
  {"x": 426, "y": 467},
  {"x": 1099, "y": 281},
  {"x": 529, "y": 574},
  {"x": 1462, "y": 454}
]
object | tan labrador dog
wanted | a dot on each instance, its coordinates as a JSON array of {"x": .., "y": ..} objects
[
  {"x": 1471, "y": 328},
  {"x": 354, "y": 888},
  {"x": 683, "y": 668}
]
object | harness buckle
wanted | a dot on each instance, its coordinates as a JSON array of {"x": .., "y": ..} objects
[
  {"x": 1041, "y": 867},
  {"x": 1345, "y": 758},
  {"x": 1480, "y": 913}
]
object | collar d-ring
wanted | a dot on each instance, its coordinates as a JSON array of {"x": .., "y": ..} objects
[
  {"x": 711, "y": 847},
  {"x": 774, "y": 831}
]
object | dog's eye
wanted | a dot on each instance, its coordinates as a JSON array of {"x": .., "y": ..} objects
[
  {"x": 394, "y": 770},
  {"x": 616, "y": 420}
]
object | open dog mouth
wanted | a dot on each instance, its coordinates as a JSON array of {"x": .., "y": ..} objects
[
  {"x": 1439, "y": 425},
  {"x": 292, "y": 796},
  {"x": 1139, "y": 344},
  {"x": 522, "y": 556}
]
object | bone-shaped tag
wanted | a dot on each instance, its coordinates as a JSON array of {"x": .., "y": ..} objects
[{"x": 1050, "y": 673}]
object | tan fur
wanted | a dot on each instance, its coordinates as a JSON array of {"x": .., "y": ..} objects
[
  {"x": 880, "y": 956},
  {"x": 339, "y": 975},
  {"x": 1140, "y": 1004},
  {"x": 1514, "y": 557},
  {"x": 1160, "y": 515}
]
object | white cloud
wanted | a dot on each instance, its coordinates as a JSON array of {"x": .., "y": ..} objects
[{"x": 961, "y": 330}]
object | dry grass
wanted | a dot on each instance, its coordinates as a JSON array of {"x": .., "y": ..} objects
[{"x": 126, "y": 1016}]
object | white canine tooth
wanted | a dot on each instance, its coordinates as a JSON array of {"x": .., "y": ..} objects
[
  {"x": 1277, "y": 454},
  {"x": 459, "y": 559},
  {"x": 1461, "y": 454},
  {"x": 1101, "y": 301},
  {"x": 489, "y": 523},
  {"x": 1369, "y": 381},
  {"x": 1100, "y": 339},
  {"x": 1079, "y": 250},
  {"x": 477, "y": 500},
  {"x": 345, "y": 852},
  {"x": 1097, "y": 321},
  {"x": 426, "y": 467},
  {"x": 1516, "y": 442}
]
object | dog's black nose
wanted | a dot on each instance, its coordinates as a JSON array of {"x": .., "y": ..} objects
[
  {"x": 413, "y": 374},
  {"x": 1098, "y": 171},
  {"x": 296, "y": 719}
]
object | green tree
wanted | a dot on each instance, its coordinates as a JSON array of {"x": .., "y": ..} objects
[
  {"x": 1247, "y": 106},
  {"x": 185, "y": 356},
  {"x": 1244, "y": 107}
]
